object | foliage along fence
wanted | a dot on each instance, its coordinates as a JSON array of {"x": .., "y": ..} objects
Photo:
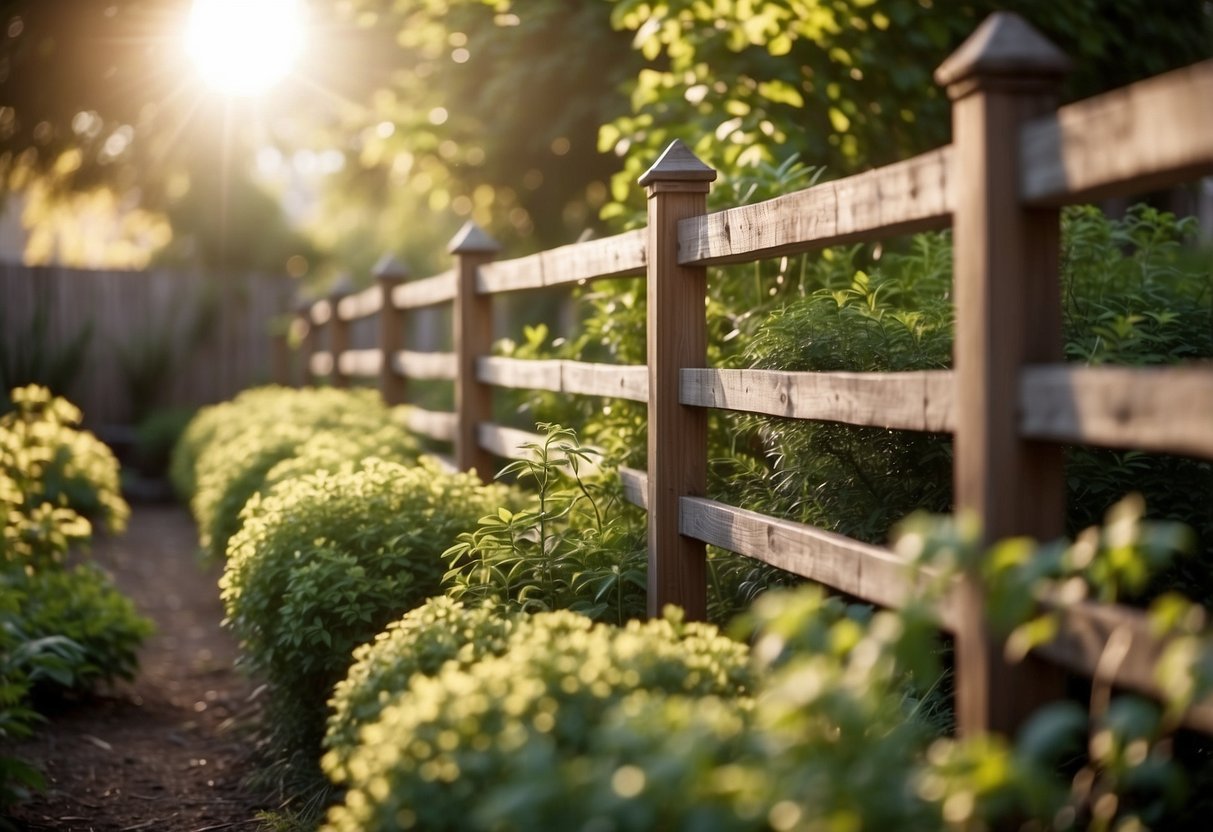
[
  {"x": 1009, "y": 402},
  {"x": 121, "y": 343}
]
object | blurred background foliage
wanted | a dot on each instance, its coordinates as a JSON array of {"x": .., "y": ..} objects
[{"x": 408, "y": 116}]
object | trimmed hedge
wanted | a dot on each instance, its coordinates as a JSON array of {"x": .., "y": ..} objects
[{"x": 325, "y": 561}]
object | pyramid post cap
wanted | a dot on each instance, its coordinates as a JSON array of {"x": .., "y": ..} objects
[
  {"x": 389, "y": 267},
  {"x": 1004, "y": 45},
  {"x": 472, "y": 239},
  {"x": 677, "y": 164},
  {"x": 343, "y": 286}
]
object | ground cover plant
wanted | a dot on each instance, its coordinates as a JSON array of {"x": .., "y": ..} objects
[
  {"x": 227, "y": 450},
  {"x": 64, "y": 629},
  {"x": 324, "y": 561}
]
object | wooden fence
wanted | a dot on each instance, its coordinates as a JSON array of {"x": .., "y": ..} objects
[
  {"x": 152, "y": 338},
  {"x": 1009, "y": 402}
]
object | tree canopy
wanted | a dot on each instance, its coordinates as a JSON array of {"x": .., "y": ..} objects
[{"x": 533, "y": 118}]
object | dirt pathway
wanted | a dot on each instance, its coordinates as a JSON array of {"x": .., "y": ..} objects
[{"x": 166, "y": 753}]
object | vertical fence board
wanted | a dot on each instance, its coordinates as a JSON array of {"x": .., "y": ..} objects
[{"x": 217, "y": 337}]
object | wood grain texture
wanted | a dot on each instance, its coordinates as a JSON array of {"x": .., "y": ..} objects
[
  {"x": 1160, "y": 409},
  {"x": 360, "y": 304},
  {"x": 635, "y": 486},
  {"x": 1008, "y": 314},
  {"x": 510, "y": 443},
  {"x": 617, "y": 256},
  {"x": 872, "y": 573},
  {"x": 425, "y": 365},
  {"x": 428, "y": 291},
  {"x": 473, "y": 338},
  {"x": 907, "y": 401},
  {"x": 562, "y": 376},
  {"x": 914, "y": 195},
  {"x": 435, "y": 424},
  {"x": 1146, "y": 136},
  {"x": 360, "y": 363},
  {"x": 505, "y": 442},
  {"x": 676, "y": 338},
  {"x": 520, "y": 374}
]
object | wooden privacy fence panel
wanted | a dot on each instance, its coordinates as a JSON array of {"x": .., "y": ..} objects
[
  {"x": 212, "y": 328},
  {"x": 1009, "y": 401}
]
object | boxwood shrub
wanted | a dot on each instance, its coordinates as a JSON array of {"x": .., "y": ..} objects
[
  {"x": 325, "y": 561},
  {"x": 228, "y": 450},
  {"x": 439, "y": 631},
  {"x": 444, "y": 750}
]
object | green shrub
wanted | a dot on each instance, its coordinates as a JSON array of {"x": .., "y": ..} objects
[
  {"x": 445, "y": 748},
  {"x": 577, "y": 545},
  {"x": 24, "y": 662},
  {"x": 227, "y": 451},
  {"x": 157, "y": 435},
  {"x": 421, "y": 642},
  {"x": 834, "y": 736},
  {"x": 53, "y": 476},
  {"x": 325, "y": 561},
  {"x": 83, "y": 605}
]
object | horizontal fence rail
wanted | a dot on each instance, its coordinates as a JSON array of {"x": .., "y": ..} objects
[{"x": 1009, "y": 402}]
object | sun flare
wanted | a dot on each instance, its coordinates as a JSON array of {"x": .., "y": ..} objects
[{"x": 245, "y": 47}]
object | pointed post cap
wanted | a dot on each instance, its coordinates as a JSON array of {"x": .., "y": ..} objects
[
  {"x": 342, "y": 287},
  {"x": 677, "y": 164},
  {"x": 389, "y": 267},
  {"x": 1004, "y": 47},
  {"x": 472, "y": 239}
]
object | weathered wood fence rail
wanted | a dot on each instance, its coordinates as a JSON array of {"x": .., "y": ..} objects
[{"x": 1009, "y": 402}]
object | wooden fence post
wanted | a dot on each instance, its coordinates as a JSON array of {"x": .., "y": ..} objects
[
  {"x": 307, "y": 340},
  {"x": 677, "y": 185},
  {"x": 280, "y": 353},
  {"x": 1008, "y": 314},
  {"x": 473, "y": 324},
  {"x": 390, "y": 272},
  {"x": 339, "y": 332}
]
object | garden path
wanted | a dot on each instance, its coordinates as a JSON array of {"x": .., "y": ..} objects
[{"x": 165, "y": 753}]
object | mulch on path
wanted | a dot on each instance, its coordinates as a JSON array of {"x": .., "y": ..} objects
[{"x": 168, "y": 752}]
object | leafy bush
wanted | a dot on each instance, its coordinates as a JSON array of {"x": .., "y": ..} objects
[
  {"x": 24, "y": 662},
  {"x": 228, "y": 449},
  {"x": 324, "y": 561},
  {"x": 833, "y": 737},
  {"x": 83, "y": 605},
  {"x": 60, "y": 629},
  {"x": 442, "y": 753},
  {"x": 578, "y": 546},
  {"x": 437, "y": 632},
  {"x": 52, "y": 477},
  {"x": 157, "y": 435}
]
